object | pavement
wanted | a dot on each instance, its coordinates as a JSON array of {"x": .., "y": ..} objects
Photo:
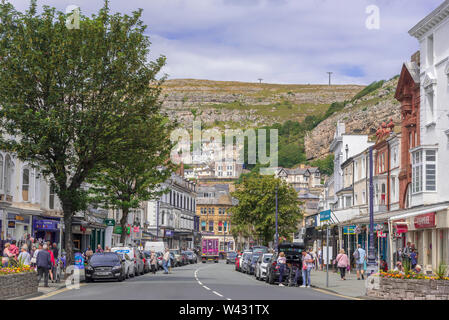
[
  {"x": 209, "y": 281},
  {"x": 351, "y": 287}
]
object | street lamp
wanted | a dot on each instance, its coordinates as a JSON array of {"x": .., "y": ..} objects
[
  {"x": 277, "y": 234},
  {"x": 371, "y": 266}
]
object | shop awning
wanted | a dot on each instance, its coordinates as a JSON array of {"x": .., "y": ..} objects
[{"x": 428, "y": 209}]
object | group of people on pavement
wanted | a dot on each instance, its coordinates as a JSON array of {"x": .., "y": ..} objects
[
  {"x": 309, "y": 261},
  {"x": 409, "y": 254}
]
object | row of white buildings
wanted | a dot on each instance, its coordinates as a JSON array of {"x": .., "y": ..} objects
[{"x": 410, "y": 163}]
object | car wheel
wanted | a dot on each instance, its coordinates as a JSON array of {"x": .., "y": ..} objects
[
  {"x": 271, "y": 279},
  {"x": 88, "y": 280}
]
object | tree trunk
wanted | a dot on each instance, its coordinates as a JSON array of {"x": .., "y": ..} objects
[
  {"x": 68, "y": 235},
  {"x": 123, "y": 223}
]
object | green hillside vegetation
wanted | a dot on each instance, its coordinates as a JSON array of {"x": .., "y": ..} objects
[{"x": 291, "y": 133}]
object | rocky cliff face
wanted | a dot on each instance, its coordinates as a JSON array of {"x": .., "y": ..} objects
[
  {"x": 239, "y": 104},
  {"x": 363, "y": 116}
]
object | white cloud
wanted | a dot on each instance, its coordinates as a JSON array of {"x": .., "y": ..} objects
[{"x": 284, "y": 41}]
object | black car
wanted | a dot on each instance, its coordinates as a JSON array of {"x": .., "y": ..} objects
[
  {"x": 293, "y": 254},
  {"x": 108, "y": 265},
  {"x": 230, "y": 257}
]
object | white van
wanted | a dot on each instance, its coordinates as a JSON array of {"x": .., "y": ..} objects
[{"x": 156, "y": 246}]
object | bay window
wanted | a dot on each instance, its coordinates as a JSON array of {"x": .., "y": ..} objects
[{"x": 424, "y": 170}]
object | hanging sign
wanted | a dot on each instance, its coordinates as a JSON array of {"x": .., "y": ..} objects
[
  {"x": 381, "y": 234},
  {"x": 349, "y": 230},
  {"x": 325, "y": 215}
]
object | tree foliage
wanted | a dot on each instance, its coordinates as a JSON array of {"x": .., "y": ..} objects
[
  {"x": 255, "y": 214},
  {"x": 69, "y": 96}
]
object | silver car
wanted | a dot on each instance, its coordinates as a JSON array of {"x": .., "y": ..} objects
[
  {"x": 129, "y": 265},
  {"x": 261, "y": 266}
]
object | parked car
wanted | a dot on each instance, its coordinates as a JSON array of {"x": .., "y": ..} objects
[
  {"x": 237, "y": 262},
  {"x": 133, "y": 253},
  {"x": 293, "y": 253},
  {"x": 146, "y": 262},
  {"x": 259, "y": 249},
  {"x": 252, "y": 262},
  {"x": 160, "y": 260},
  {"x": 106, "y": 265},
  {"x": 241, "y": 260},
  {"x": 261, "y": 266},
  {"x": 230, "y": 257},
  {"x": 246, "y": 262},
  {"x": 177, "y": 257},
  {"x": 191, "y": 257},
  {"x": 129, "y": 265}
]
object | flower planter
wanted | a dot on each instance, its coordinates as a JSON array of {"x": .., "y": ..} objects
[
  {"x": 18, "y": 285},
  {"x": 410, "y": 289}
]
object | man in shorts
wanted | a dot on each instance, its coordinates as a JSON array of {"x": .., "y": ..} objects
[{"x": 360, "y": 257}]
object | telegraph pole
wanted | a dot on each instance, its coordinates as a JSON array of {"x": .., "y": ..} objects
[
  {"x": 330, "y": 73},
  {"x": 260, "y": 80}
]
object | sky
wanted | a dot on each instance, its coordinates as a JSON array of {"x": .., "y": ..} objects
[{"x": 279, "y": 41}]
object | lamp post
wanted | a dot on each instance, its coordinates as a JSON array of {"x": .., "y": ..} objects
[
  {"x": 371, "y": 266},
  {"x": 277, "y": 234}
]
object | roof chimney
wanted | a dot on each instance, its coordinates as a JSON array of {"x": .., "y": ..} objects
[{"x": 416, "y": 57}]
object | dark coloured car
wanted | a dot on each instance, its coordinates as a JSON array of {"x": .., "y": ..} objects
[
  {"x": 293, "y": 254},
  {"x": 102, "y": 266},
  {"x": 230, "y": 257},
  {"x": 252, "y": 263},
  {"x": 146, "y": 261}
]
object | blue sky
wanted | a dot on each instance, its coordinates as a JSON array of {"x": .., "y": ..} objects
[{"x": 281, "y": 41}]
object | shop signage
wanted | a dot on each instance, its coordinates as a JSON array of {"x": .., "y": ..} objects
[
  {"x": 169, "y": 233},
  {"x": 380, "y": 234},
  {"x": 425, "y": 221},
  {"x": 118, "y": 230},
  {"x": 45, "y": 225},
  {"x": 349, "y": 230},
  {"x": 325, "y": 215},
  {"x": 19, "y": 218},
  {"x": 109, "y": 222},
  {"x": 11, "y": 224},
  {"x": 136, "y": 229}
]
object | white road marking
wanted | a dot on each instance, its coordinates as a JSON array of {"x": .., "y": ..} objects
[
  {"x": 206, "y": 288},
  {"x": 217, "y": 293},
  {"x": 200, "y": 283}
]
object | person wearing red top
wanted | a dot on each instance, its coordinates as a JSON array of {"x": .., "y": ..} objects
[
  {"x": 53, "y": 263},
  {"x": 14, "y": 249}
]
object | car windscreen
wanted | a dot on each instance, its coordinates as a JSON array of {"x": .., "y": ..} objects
[
  {"x": 232, "y": 254},
  {"x": 106, "y": 259},
  {"x": 254, "y": 259},
  {"x": 266, "y": 259}
]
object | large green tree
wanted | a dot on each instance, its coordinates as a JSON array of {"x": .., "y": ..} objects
[
  {"x": 257, "y": 208},
  {"x": 69, "y": 95},
  {"x": 135, "y": 176}
]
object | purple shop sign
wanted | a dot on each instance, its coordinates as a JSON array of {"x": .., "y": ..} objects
[{"x": 45, "y": 225}]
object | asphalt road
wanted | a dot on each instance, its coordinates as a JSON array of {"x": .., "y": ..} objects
[{"x": 210, "y": 281}]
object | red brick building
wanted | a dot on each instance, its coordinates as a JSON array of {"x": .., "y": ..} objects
[{"x": 408, "y": 94}]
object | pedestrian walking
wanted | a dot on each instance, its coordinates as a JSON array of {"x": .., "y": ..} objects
[
  {"x": 319, "y": 256},
  {"x": 43, "y": 263},
  {"x": 281, "y": 261},
  {"x": 342, "y": 263},
  {"x": 153, "y": 262},
  {"x": 360, "y": 257},
  {"x": 166, "y": 260},
  {"x": 413, "y": 258},
  {"x": 53, "y": 263},
  {"x": 307, "y": 265},
  {"x": 99, "y": 249},
  {"x": 24, "y": 256},
  {"x": 14, "y": 249},
  {"x": 6, "y": 255},
  {"x": 34, "y": 258},
  {"x": 55, "y": 251}
]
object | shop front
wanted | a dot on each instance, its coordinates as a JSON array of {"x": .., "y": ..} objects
[
  {"x": 46, "y": 229},
  {"x": 428, "y": 231},
  {"x": 18, "y": 226}
]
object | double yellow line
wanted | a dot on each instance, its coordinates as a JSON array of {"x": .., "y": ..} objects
[{"x": 50, "y": 294}]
